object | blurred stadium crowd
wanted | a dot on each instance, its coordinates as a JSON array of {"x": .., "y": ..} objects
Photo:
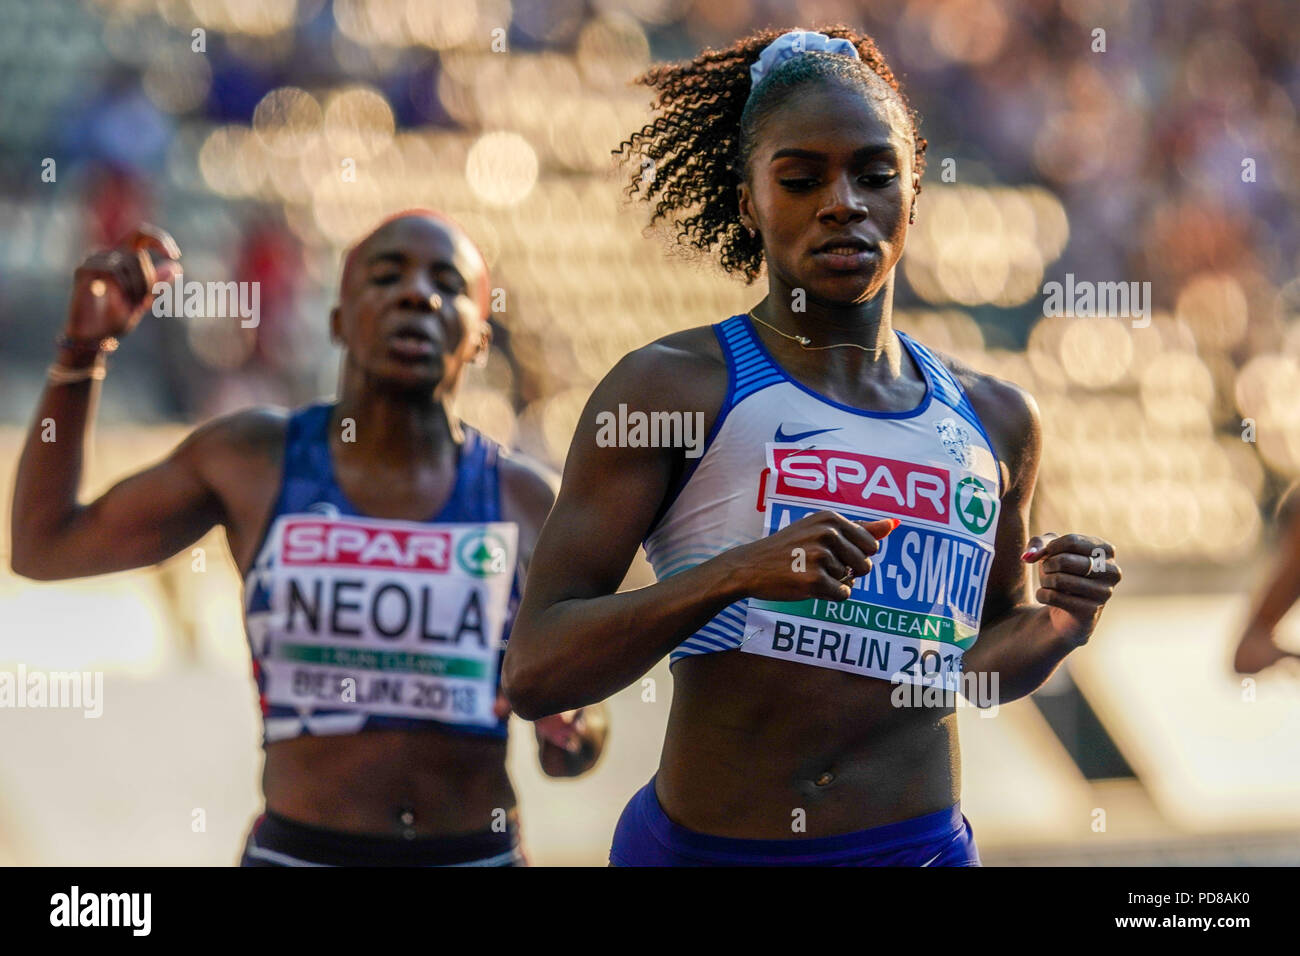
[{"x": 267, "y": 134}]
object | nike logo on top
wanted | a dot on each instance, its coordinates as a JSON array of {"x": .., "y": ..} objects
[{"x": 782, "y": 438}]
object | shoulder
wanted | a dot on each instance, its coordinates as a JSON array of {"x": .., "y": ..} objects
[
  {"x": 684, "y": 374},
  {"x": 248, "y": 433},
  {"x": 239, "y": 455},
  {"x": 683, "y": 371},
  {"x": 1008, "y": 412},
  {"x": 994, "y": 397},
  {"x": 691, "y": 350},
  {"x": 527, "y": 485}
]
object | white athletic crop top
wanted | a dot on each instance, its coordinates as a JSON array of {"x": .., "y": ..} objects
[{"x": 779, "y": 451}]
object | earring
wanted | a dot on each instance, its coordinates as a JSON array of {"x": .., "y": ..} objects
[{"x": 911, "y": 216}]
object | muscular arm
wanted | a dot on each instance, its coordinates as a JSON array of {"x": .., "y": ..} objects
[
  {"x": 575, "y": 641},
  {"x": 1017, "y": 641},
  {"x": 146, "y": 517},
  {"x": 141, "y": 520}
]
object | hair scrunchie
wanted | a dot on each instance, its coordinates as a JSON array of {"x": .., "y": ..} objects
[{"x": 790, "y": 45}]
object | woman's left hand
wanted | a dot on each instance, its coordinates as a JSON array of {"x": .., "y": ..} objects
[{"x": 1077, "y": 574}]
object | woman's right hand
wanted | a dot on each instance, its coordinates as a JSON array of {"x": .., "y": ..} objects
[
  {"x": 113, "y": 288},
  {"x": 814, "y": 557}
]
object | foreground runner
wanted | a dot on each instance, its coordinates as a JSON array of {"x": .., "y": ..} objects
[
  {"x": 375, "y": 629},
  {"x": 790, "y": 597}
]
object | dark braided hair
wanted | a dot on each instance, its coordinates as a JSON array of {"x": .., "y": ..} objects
[{"x": 701, "y": 141}]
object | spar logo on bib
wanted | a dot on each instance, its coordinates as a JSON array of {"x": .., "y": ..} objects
[
  {"x": 835, "y": 476},
  {"x": 973, "y": 505},
  {"x": 482, "y": 554},
  {"x": 354, "y": 544}
]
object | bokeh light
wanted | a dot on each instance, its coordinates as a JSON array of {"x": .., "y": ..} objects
[{"x": 501, "y": 168}]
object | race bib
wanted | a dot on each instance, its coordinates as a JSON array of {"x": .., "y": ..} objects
[
  {"x": 917, "y": 611},
  {"x": 383, "y": 617}
]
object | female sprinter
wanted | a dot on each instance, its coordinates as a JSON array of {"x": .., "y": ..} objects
[
  {"x": 855, "y": 529},
  {"x": 379, "y": 539}
]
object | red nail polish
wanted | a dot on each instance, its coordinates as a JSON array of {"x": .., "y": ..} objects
[
  {"x": 896, "y": 522},
  {"x": 1027, "y": 555}
]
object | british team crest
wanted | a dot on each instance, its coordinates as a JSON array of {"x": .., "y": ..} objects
[{"x": 956, "y": 441}]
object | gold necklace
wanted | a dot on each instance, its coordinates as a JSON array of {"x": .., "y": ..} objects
[{"x": 804, "y": 340}]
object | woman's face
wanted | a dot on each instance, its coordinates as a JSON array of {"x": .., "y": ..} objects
[
  {"x": 830, "y": 187},
  {"x": 407, "y": 311}
]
